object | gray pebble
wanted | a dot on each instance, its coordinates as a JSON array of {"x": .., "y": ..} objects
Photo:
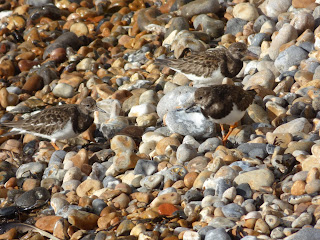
[
  {"x": 235, "y": 25},
  {"x": 209, "y": 145},
  {"x": 28, "y": 169},
  {"x": 221, "y": 222},
  {"x": 186, "y": 152},
  {"x": 180, "y": 96},
  {"x": 233, "y": 211},
  {"x": 305, "y": 234},
  {"x": 189, "y": 123},
  {"x": 152, "y": 182},
  {"x": 217, "y": 234},
  {"x": 110, "y": 182},
  {"x": 33, "y": 198},
  {"x": 292, "y": 56},
  {"x": 145, "y": 167},
  {"x": 63, "y": 90},
  {"x": 193, "y": 195}
]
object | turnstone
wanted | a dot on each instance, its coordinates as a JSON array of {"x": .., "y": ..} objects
[
  {"x": 210, "y": 67},
  {"x": 224, "y": 104},
  {"x": 58, "y": 122}
]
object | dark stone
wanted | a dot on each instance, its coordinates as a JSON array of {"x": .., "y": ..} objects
[
  {"x": 193, "y": 195},
  {"x": 235, "y": 25},
  {"x": 244, "y": 190},
  {"x": 33, "y": 198},
  {"x": 68, "y": 39}
]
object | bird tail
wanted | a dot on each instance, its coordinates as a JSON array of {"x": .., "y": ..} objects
[
  {"x": 252, "y": 92},
  {"x": 162, "y": 62},
  {"x": 9, "y": 134}
]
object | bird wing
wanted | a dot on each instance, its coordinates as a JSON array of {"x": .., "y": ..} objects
[
  {"x": 191, "y": 64},
  {"x": 46, "y": 122}
]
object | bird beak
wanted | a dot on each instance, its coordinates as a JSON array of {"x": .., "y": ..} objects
[
  {"x": 99, "y": 109},
  {"x": 187, "y": 110},
  {"x": 250, "y": 56}
]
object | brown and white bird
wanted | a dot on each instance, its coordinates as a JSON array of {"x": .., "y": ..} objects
[
  {"x": 58, "y": 122},
  {"x": 212, "y": 66},
  {"x": 224, "y": 104}
]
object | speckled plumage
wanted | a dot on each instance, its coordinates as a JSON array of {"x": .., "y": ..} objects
[
  {"x": 218, "y": 102},
  {"x": 205, "y": 65},
  {"x": 58, "y": 122}
]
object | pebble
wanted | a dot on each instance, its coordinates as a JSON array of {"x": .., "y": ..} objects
[
  {"x": 63, "y": 90},
  {"x": 245, "y": 11},
  {"x": 157, "y": 168},
  {"x": 291, "y": 56},
  {"x": 256, "y": 178}
]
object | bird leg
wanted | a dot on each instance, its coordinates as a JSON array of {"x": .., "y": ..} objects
[
  {"x": 55, "y": 146},
  {"x": 223, "y": 133},
  {"x": 224, "y": 140}
]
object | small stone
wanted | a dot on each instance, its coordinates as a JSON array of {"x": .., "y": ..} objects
[
  {"x": 63, "y": 90},
  {"x": 302, "y": 220},
  {"x": 261, "y": 226},
  {"x": 199, "y": 7},
  {"x": 125, "y": 228},
  {"x": 233, "y": 211},
  {"x": 185, "y": 152},
  {"x": 285, "y": 35},
  {"x": 189, "y": 179},
  {"x": 121, "y": 201},
  {"x": 256, "y": 178},
  {"x": 82, "y": 219},
  {"x": 295, "y": 126},
  {"x": 245, "y": 11},
  {"x": 292, "y": 56},
  {"x": 172, "y": 198},
  {"x": 264, "y": 78},
  {"x": 85, "y": 64},
  {"x": 191, "y": 235},
  {"x": 87, "y": 187},
  {"x": 142, "y": 109},
  {"x": 122, "y": 143},
  {"x": 272, "y": 221},
  {"x": 164, "y": 143},
  {"x": 219, "y": 233},
  {"x": 167, "y": 209},
  {"x": 47, "y": 223},
  {"x": 80, "y": 29},
  {"x": 151, "y": 182},
  {"x": 298, "y": 188}
]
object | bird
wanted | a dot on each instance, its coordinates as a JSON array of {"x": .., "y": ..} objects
[
  {"x": 58, "y": 122},
  {"x": 211, "y": 66},
  {"x": 224, "y": 104}
]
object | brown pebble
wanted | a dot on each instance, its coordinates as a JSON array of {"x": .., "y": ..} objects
[
  {"x": 105, "y": 221},
  {"x": 142, "y": 197},
  {"x": 298, "y": 188},
  {"x": 80, "y": 158},
  {"x": 30, "y": 184},
  {"x": 11, "y": 183},
  {"x": 167, "y": 209},
  {"x": 33, "y": 83},
  {"x": 189, "y": 179},
  {"x": 121, "y": 201},
  {"x": 82, "y": 219},
  {"x": 47, "y": 223},
  {"x": 58, "y": 54},
  {"x": 10, "y": 234}
]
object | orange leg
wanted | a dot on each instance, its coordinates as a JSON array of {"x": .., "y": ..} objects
[
  {"x": 224, "y": 140},
  {"x": 222, "y": 131},
  {"x": 55, "y": 146}
]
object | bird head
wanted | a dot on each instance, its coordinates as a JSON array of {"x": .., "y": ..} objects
[
  {"x": 89, "y": 105},
  {"x": 239, "y": 51}
]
